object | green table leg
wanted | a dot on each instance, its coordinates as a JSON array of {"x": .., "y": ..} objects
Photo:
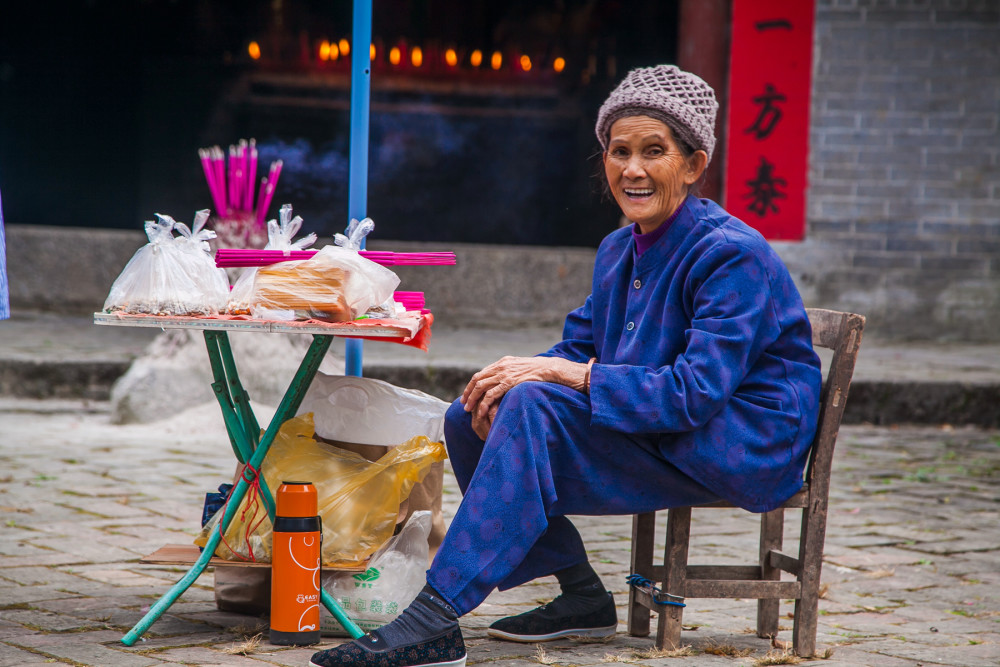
[{"x": 289, "y": 405}]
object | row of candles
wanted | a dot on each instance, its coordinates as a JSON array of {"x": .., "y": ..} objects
[{"x": 405, "y": 56}]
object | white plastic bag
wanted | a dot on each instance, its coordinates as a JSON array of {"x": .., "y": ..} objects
[
  {"x": 395, "y": 575},
  {"x": 170, "y": 275},
  {"x": 196, "y": 255},
  {"x": 337, "y": 284},
  {"x": 280, "y": 235},
  {"x": 366, "y": 411}
]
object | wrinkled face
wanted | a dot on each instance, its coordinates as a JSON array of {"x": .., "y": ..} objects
[{"x": 647, "y": 171}]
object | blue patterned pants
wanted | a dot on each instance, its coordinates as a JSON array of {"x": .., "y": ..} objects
[{"x": 542, "y": 461}]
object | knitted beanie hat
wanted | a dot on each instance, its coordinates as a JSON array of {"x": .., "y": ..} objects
[{"x": 680, "y": 99}]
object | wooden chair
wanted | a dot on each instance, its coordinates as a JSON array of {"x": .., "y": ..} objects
[{"x": 840, "y": 332}]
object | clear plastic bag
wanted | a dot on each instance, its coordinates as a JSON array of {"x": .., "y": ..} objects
[
  {"x": 395, "y": 575},
  {"x": 359, "y": 500},
  {"x": 336, "y": 285},
  {"x": 171, "y": 275},
  {"x": 280, "y": 235}
]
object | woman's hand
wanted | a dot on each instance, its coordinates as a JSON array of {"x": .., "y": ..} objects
[{"x": 487, "y": 387}]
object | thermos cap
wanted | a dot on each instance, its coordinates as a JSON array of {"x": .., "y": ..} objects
[{"x": 296, "y": 499}]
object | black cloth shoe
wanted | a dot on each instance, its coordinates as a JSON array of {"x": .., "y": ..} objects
[
  {"x": 547, "y": 623},
  {"x": 447, "y": 650}
]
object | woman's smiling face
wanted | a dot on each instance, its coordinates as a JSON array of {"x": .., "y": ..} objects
[{"x": 647, "y": 171}]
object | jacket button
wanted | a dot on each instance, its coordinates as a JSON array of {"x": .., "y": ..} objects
[
  {"x": 630, "y": 326},
  {"x": 637, "y": 284}
]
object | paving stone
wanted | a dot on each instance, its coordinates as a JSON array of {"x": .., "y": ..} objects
[
  {"x": 199, "y": 655},
  {"x": 43, "y": 620},
  {"x": 15, "y": 657},
  {"x": 91, "y": 654}
]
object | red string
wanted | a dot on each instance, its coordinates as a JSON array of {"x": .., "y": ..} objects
[{"x": 253, "y": 481}]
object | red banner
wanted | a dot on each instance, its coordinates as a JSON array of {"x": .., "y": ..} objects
[{"x": 767, "y": 134}]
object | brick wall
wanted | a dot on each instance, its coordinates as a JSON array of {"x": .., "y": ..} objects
[{"x": 904, "y": 197}]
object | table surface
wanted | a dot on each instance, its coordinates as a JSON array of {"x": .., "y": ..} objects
[{"x": 405, "y": 327}]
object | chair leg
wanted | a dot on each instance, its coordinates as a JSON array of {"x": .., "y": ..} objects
[
  {"x": 811, "y": 566},
  {"x": 643, "y": 528},
  {"x": 675, "y": 557},
  {"x": 771, "y": 534}
]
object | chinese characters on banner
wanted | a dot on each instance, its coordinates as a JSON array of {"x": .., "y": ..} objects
[{"x": 767, "y": 136}]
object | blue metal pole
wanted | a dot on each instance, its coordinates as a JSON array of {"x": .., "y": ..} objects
[{"x": 357, "y": 201}]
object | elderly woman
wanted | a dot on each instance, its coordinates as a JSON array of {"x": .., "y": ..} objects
[{"x": 687, "y": 376}]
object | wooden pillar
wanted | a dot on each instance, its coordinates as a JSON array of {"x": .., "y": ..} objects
[{"x": 703, "y": 49}]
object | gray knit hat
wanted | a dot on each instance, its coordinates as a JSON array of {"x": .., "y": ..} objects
[{"x": 680, "y": 99}]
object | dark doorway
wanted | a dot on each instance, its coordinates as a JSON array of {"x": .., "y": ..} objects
[{"x": 103, "y": 106}]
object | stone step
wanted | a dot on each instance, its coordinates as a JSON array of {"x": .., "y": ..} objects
[{"x": 878, "y": 402}]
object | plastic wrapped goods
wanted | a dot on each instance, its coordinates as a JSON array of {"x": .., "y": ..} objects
[
  {"x": 171, "y": 275},
  {"x": 336, "y": 284}
]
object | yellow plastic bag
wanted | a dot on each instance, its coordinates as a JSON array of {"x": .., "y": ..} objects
[{"x": 358, "y": 499}]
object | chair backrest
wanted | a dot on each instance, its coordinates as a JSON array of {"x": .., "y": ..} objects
[{"x": 840, "y": 332}]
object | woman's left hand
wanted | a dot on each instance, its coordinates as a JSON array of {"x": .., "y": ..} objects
[{"x": 487, "y": 387}]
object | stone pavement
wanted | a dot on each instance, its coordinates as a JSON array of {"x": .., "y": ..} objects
[{"x": 912, "y": 569}]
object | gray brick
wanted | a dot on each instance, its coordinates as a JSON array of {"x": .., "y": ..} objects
[
  {"x": 964, "y": 228},
  {"x": 890, "y": 227},
  {"x": 985, "y": 122},
  {"x": 893, "y": 191},
  {"x": 926, "y": 139},
  {"x": 859, "y": 138},
  {"x": 948, "y": 192},
  {"x": 894, "y": 85},
  {"x": 975, "y": 141},
  {"x": 897, "y": 16},
  {"x": 964, "y": 158},
  {"x": 839, "y": 155},
  {"x": 884, "y": 260},
  {"x": 930, "y": 104},
  {"x": 978, "y": 246},
  {"x": 981, "y": 15},
  {"x": 937, "y": 169},
  {"x": 831, "y": 189},
  {"x": 856, "y": 173},
  {"x": 853, "y": 209},
  {"x": 837, "y": 85},
  {"x": 891, "y": 156},
  {"x": 911, "y": 209},
  {"x": 895, "y": 121},
  {"x": 854, "y": 242},
  {"x": 831, "y": 120},
  {"x": 958, "y": 265},
  {"x": 868, "y": 104},
  {"x": 914, "y": 245},
  {"x": 825, "y": 227}
]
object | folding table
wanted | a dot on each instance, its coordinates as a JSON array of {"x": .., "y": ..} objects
[{"x": 249, "y": 446}]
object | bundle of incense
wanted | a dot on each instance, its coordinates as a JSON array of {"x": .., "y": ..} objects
[
  {"x": 410, "y": 300},
  {"x": 235, "y": 257},
  {"x": 232, "y": 185}
]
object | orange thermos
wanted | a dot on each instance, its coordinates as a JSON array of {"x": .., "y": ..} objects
[{"x": 295, "y": 566}]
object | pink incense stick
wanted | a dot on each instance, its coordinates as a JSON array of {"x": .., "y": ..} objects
[{"x": 236, "y": 257}]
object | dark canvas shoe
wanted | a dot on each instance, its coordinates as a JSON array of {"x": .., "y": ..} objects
[
  {"x": 547, "y": 623},
  {"x": 448, "y": 650}
]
